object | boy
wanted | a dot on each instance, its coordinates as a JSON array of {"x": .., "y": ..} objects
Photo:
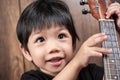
[{"x": 48, "y": 39}]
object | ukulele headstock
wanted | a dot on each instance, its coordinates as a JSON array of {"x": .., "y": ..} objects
[{"x": 97, "y": 7}]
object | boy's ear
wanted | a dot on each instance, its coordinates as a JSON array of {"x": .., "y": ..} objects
[{"x": 25, "y": 53}]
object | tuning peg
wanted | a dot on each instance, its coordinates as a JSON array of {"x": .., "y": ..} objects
[
  {"x": 85, "y": 11},
  {"x": 83, "y": 2}
]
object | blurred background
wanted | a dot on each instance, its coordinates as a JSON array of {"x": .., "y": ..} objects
[{"x": 12, "y": 63}]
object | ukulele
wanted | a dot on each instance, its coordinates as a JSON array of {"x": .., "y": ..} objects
[{"x": 111, "y": 61}]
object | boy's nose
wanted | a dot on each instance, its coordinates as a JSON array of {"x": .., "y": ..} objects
[
  {"x": 54, "y": 50},
  {"x": 53, "y": 47}
]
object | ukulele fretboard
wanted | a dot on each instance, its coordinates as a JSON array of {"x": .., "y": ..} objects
[{"x": 111, "y": 61}]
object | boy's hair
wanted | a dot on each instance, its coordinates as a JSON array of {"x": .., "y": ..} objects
[{"x": 43, "y": 14}]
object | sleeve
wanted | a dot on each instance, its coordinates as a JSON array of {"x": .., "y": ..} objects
[
  {"x": 97, "y": 72},
  {"x": 35, "y": 75},
  {"x": 91, "y": 72},
  {"x": 29, "y": 76}
]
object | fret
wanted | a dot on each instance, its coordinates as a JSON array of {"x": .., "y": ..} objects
[
  {"x": 112, "y": 37},
  {"x": 113, "y": 67},
  {"x": 111, "y": 56},
  {"x": 115, "y": 44},
  {"x": 107, "y": 26},
  {"x": 115, "y": 50},
  {"x": 111, "y": 61},
  {"x": 110, "y": 79},
  {"x": 113, "y": 72},
  {"x": 111, "y": 44},
  {"x": 113, "y": 77}
]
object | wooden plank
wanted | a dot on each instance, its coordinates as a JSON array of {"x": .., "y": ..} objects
[
  {"x": 11, "y": 60},
  {"x": 28, "y": 65},
  {"x": 24, "y": 4}
]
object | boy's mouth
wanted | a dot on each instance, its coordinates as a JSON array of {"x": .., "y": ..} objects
[{"x": 55, "y": 61}]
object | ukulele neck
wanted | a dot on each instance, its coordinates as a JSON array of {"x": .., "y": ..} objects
[{"x": 111, "y": 61}]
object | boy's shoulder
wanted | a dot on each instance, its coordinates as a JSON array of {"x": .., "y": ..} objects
[
  {"x": 93, "y": 66},
  {"x": 35, "y": 75},
  {"x": 91, "y": 72}
]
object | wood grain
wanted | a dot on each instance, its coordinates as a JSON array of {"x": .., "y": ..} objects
[{"x": 11, "y": 60}]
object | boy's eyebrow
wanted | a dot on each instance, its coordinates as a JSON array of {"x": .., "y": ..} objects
[{"x": 38, "y": 31}]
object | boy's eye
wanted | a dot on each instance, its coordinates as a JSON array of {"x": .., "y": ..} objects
[
  {"x": 41, "y": 39},
  {"x": 61, "y": 36}
]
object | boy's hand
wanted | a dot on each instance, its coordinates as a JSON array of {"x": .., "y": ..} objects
[
  {"x": 90, "y": 49},
  {"x": 114, "y": 8}
]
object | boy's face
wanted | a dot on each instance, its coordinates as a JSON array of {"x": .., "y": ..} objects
[{"x": 50, "y": 49}]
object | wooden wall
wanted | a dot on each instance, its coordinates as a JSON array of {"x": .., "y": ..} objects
[{"x": 12, "y": 63}]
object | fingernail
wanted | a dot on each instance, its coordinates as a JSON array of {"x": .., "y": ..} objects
[
  {"x": 107, "y": 17},
  {"x": 100, "y": 54},
  {"x": 110, "y": 50}
]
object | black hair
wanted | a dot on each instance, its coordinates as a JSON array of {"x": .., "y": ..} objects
[{"x": 42, "y": 14}]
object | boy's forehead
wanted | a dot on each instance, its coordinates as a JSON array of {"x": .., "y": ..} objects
[{"x": 43, "y": 28}]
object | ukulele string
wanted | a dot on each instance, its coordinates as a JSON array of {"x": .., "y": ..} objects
[
  {"x": 107, "y": 61},
  {"x": 116, "y": 51},
  {"x": 107, "y": 70}
]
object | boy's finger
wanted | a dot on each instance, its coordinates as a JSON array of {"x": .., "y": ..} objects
[
  {"x": 113, "y": 8},
  {"x": 114, "y": 4},
  {"x": 96, "y": 39},
  {"x": 98, "y": 52},
  {"x": 102, "y": 50}
]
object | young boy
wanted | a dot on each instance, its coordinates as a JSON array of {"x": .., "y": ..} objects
[{"x": 48, "y": 39}]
